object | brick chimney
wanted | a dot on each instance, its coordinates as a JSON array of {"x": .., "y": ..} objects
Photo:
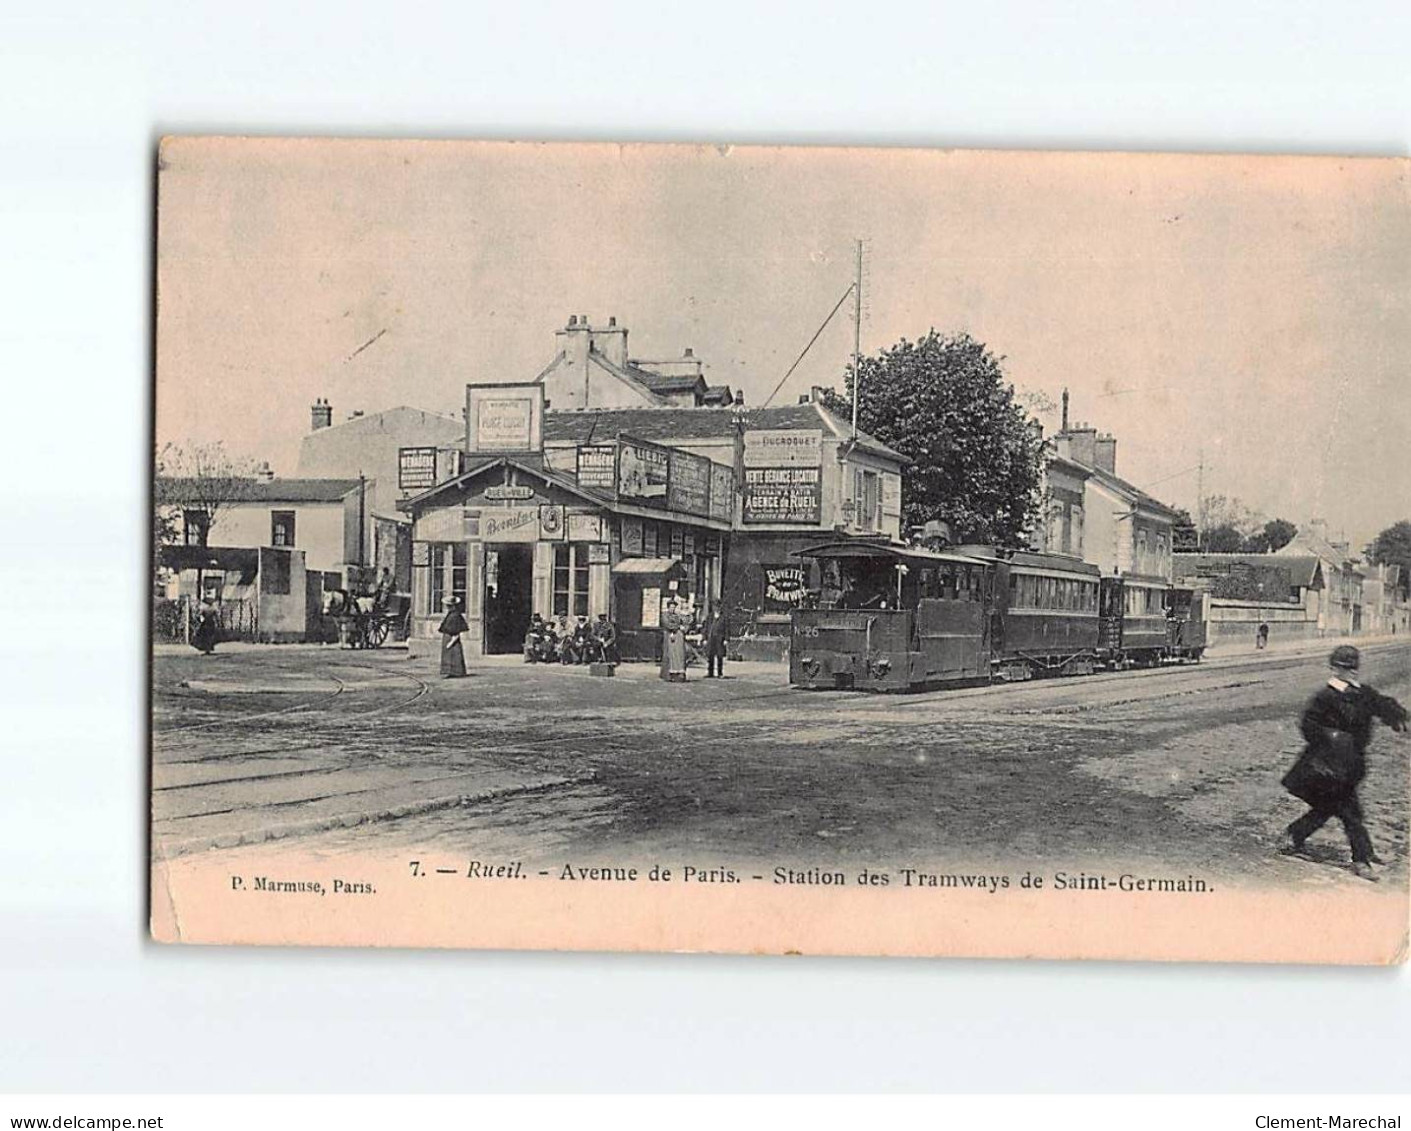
[
  {"x": 610, "y": 341},
  {"x": 320, "y": 415},
  {"x": 1105, "y": 453},
  {"x": 1083, "y": 442},
  {"x": 574, "y": 341}
]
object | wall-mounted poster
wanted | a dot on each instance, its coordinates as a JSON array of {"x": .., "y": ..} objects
[
  {"x": 722, "y": 492},
  {"x": 689, "y": 487},
  {"x": 504, "y": 418},
  {"x": 643, "y": 472},
  {"x": 651, "y": 608},
  {"x": 678, "y": 543},
  {"x": 650, "y": 539},
  {"x": 631, "y": 537},
  {"x": 416, "y": 468},
  {"x": 585, "y": 528},
  {"x": 597, "y": 466},
  {"x": 599, "y": 553},
  {"x": 784, "y": 587},
  {"x": 784, "y": 495},
  {"x": 783, "y": 447}
]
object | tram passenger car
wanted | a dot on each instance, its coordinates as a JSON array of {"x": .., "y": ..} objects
[{"x": 887, "y": 617}]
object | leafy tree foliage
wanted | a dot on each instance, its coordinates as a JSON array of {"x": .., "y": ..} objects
[
  {"x": 1184, "y": 536},
  {"x": 1223, "y": 539},
  {"x": 1275, "y": 535},
  {"x": 944, "y": 402},
  {"x": 1393, "y": 546}
]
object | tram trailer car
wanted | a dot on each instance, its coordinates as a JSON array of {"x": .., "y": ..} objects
[
  {"x": 1046, "y": 614},
  {"x": 895, "y": 618}
]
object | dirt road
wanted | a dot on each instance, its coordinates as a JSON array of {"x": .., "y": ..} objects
[{"x": 356, "y": 752}]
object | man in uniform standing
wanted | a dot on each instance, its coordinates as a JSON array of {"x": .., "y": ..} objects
[{"x": 1337, "y": 725}]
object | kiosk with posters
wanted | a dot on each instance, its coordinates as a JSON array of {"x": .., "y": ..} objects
[{"x": 641, "y": 588}]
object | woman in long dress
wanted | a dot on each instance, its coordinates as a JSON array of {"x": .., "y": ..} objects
[
  {"x": 207, "y": 629},
  {"x": 452, "y": 654},
  {"x": 673, "y": 648}
]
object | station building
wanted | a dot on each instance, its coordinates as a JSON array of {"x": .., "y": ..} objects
[{"x": 631, "y": 526}]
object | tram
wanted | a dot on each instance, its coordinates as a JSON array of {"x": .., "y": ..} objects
[{"x": 888, "y": 617}]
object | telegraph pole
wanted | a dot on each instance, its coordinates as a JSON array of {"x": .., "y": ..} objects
[
  {"x": 856, "y": 338},
  {"x": 1200, "y": 502}
]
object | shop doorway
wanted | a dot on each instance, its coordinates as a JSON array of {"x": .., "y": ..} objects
[{"x": 509, "y": 595}]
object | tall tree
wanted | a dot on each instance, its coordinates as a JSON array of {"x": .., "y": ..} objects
[
  {"x": 1274, "y": 535},
  {"x": 1222, "y": 539},
  {"x": 944, "y": 402},
  {"x": 1393, "y": 546}
]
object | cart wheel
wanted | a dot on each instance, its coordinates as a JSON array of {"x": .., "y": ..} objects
[{"x": 377, "y": 633}]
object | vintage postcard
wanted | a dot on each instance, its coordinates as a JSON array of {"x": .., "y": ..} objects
[{"x": 781, "y": 550}]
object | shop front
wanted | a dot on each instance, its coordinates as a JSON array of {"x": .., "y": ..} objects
[{"x": 510, "y": 539}]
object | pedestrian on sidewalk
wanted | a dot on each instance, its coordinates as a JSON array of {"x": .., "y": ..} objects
[
  {"x": 673, "y": 644},
  {"x": 452, "y": 654},
  {"x": 207, "y": 628},
  {"x": 717, "y": 629},
  {"x": 1337, "y": 726},
  {"x": 1261, "y": 637}
]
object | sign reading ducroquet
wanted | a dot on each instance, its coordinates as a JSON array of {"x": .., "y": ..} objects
[{"x": 784, "y": 495}]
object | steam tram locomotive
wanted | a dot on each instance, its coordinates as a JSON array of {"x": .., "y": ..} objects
[{"x": 894, "y": 618}]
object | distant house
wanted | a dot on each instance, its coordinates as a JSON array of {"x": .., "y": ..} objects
[
  {"x": 369, "y": 446},
  {"x": 592, "y": 369},
  {"x": 317, "y": 516},
  {"x": 1340, "y": 613},
  {"x": 1120, "y": 528}
]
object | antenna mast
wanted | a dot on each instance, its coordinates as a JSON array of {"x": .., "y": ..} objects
[{"x": 856, "y": 337}]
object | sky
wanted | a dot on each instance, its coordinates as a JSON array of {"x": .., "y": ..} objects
[{"x": 1249, "y": 313}]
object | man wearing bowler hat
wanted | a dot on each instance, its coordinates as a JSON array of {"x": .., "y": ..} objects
[{"x": 1337, "y": 725}]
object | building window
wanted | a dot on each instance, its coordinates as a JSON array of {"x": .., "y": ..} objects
[
  {"x": 195, "y": 527},
  {"x": 571, "y": 579},
  {"x": 281, "y": 528},
  {"x": 867, "y": 499},
  {"x": 448, "y": 575}
]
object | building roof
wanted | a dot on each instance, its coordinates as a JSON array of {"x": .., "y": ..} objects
[
  {"x": 374, "y": 420},
  {"x": 175, "y": 490},
  {"x": 668, "y": 382},
  {"x": 566, "y": 482},
  {"x": 1139, "y": 497},
  {"x": 1306, "y": 541},
  {"x": 1303, "y": 569},
  {"x": 581, "y": 426}
]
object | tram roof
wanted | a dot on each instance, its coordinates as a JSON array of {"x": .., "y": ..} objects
[
  {"x": 1032, "y": 559},
  {"x": 856, "y": 548}
]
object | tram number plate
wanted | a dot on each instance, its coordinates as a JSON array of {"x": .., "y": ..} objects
[{"x": 808, "y": 630}]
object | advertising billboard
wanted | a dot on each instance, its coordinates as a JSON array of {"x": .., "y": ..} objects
[
  {"x": 643, "y": 472},
  {"x": 790, "y": 496}
]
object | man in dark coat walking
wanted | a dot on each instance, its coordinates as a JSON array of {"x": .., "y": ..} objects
[
  {"x": 715, "y": 635},
  {"x": 1337, "y": 725}
]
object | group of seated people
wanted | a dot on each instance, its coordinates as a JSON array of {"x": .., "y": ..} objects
[{"x": 579, "y": 642}]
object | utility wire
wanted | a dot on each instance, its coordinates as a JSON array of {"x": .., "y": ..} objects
[{"x": 810, "y": 345}]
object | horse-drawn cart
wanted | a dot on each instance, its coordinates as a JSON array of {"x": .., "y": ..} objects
[{"x": 366, "y": 622}]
